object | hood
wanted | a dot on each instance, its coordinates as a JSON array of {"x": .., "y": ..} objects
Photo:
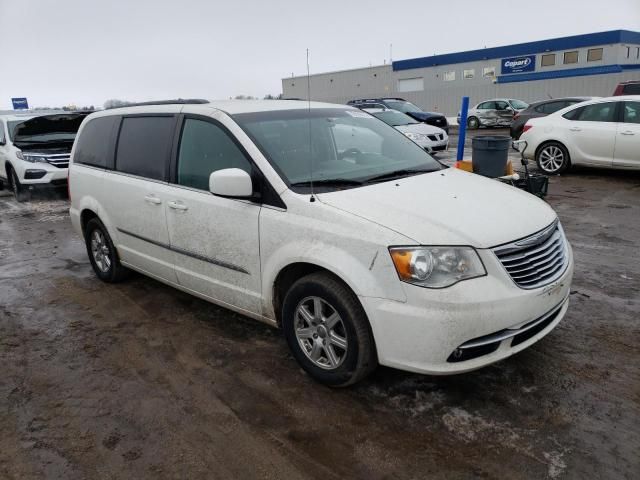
[
  {"x": 447, "y": 207},
  {"x": 424, "y": 128},
  {"x": 423, "y": 115},
  {"x": 60, "y": 128}
]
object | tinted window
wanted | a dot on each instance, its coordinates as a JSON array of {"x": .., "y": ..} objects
[
  {"x": 2, "y": 137},
  {"x": 205, "y": 148},
  {"x": 143, "y": 146},
  {"x": 500, "y": 105},
  {"x": 631, "y": 89},
  {"x": 551, "y": 107},
  {"x": 631, "y": 112},
  {"x": 598, "y": 112},
  {"x": 94, "y": 144}
]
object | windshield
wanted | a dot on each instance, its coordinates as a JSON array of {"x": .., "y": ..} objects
[
  {"x": 518, "y": 104},
  {"x": 346, "y": 147},
  {"x": 402, "y": 106},
  {"x": 393, "y": 118}
]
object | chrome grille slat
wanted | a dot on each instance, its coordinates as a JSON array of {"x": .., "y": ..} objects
[
  {"x": 554, "y": 254},
  {"x": 537, "y": 260}
]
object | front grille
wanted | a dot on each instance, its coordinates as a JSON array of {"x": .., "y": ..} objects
[
  {"x": 60, "y": 160},
  {"x": 537, "y": 260},
  {"x": 436, "y": 137}
]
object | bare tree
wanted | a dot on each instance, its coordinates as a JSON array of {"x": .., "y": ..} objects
[{"x": 114, "y": 103}]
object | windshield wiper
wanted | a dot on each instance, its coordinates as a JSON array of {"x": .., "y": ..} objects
[
  {"x": 328, "y": 182},
  {"x": 399, "y": 174}
]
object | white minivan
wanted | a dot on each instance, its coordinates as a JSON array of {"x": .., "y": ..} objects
[{"x": 364, "y": 253}]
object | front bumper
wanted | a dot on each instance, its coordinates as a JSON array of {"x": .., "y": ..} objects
[
  {"x": 42, "y": 174},
  {"x": 434, "y": 146},
  {"x": 422, "y": 334}
]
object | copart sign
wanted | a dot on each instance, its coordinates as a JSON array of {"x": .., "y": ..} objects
[{"x": 518, "y": 64}]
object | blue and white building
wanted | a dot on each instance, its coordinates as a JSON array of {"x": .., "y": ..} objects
[{"x": 581, "y": 65}]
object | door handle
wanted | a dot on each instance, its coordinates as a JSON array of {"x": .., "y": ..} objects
[
  {"x": 177, "y": 206},
  {"x": 575, "y": 129},
  {"x": 627, "y": 132},
  {"x": 152, "y": 199}
]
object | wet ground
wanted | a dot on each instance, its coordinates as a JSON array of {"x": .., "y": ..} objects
[{"x": 138, "y": 380}]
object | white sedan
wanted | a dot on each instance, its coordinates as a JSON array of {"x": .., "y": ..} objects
[
  {"x": 603, "y": 133},
  {"x": 432, "y": 139}
]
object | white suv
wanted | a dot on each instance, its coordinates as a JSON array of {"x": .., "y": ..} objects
[
  {"x": 35, "y": 149},
  {"x": 362, "y": 252}
]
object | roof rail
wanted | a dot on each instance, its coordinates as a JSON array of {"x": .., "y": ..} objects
[{"x": 177, "y": 101}]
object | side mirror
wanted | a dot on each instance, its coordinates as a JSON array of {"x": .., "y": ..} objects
[{"x": 231, "y": 183}]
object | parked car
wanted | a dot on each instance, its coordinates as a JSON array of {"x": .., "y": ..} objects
[
  {"x": 498, "y": 112},
  {"x": 432, "y": 139},
  {"x": 34, "y": 150},
  {"x": 631, "y": 87},
  {"x": 361, "y": 257},
  {"x": 604, "y": 132},
  {"x": 408, "y": 108},
  {"x": 541, "y": 109}
]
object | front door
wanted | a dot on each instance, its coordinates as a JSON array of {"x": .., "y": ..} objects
[
  {"x": 214, "y": 239},
  {"x": 593, "y": 134},
  {"x": 627, "y": 153}
]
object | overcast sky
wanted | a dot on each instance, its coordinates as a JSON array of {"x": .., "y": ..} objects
[{"x": 85, "y": 51}]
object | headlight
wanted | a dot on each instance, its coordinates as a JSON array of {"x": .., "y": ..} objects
[
  {"x": 31, "y": 158},
  {"x": 436, "y": 267},
  {"x": 414, "y": 136}
]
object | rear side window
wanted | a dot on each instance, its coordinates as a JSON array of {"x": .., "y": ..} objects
[
  {"x": 631, "y": 112},
  {"x": 631, "y": 89},
  {"x": 487, "y": 106},
  {"x": 144, "y": 146},
  {"x": 597, "y": 112},
  {"x": 551, "y": 107},
  {"x": 93, "y": 146},
  {"x": 205, "y": 148},
  {"x": 2, "y": 137}
]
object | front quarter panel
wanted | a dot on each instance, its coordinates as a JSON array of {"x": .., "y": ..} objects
[{"x": 354, "y": 249}]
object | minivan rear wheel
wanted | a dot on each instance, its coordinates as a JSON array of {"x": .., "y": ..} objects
[
  {"x": 327, "y": 330},
  {"x": 102, "y": 254}
]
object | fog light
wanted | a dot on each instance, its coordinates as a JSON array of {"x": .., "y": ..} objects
[{"x": 34, "y": 174}]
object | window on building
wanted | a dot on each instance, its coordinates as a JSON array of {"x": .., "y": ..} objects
[
  {"x": 411, "y": 84},
  {"x": 449, "y": 76},
  {"x": 489, "y": 72},
  {"x": 470, "y": 73},
  {"x": 628, "y": 52},
  {"x": 548, "y": 60},
  {"x": 571, "y": 57},
  {"x": 637, "y": 52},
  {"x": 206, "y": 148},
  {"x": 144, "y": 146},
  {"x": 595, "y": 54}
]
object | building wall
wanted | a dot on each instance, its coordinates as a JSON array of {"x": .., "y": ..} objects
[{"x": 445, "y": 96}]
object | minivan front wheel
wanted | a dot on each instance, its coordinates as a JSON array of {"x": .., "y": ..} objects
[
  {"x": 102, "y": 254},
  {"x": 327, "y": 330}
]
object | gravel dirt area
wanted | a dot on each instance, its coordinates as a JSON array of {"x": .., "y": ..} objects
[{"x": 138, "y": 380}]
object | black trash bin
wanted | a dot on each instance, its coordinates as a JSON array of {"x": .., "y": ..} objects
[{"x": 489, "y": 155}]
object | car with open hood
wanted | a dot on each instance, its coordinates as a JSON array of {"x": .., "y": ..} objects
[
  {"x": 363, "y": 252},
  {"x": 35, "y": 149}
]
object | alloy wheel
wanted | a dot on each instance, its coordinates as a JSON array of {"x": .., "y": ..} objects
[
  {"x": 100, "y": 251},
  {"x": 321, "y": 333},
  {"x": 551, "y": 158}
]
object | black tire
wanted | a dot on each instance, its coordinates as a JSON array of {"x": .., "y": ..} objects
[
  {"x": 548, "y": 158},
  {"x": 473, "y": 123},
  {"x": 20, "y": 193},
  {"x": 110, "y": 271},
  {"x": 359, "y": 359}
]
